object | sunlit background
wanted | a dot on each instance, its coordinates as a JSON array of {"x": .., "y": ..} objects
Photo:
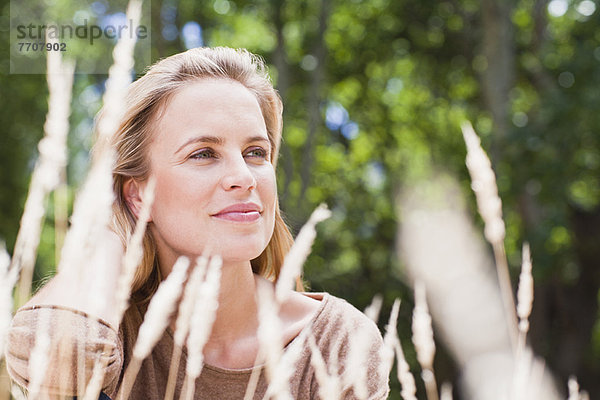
[{"x": 374, "y": 94}]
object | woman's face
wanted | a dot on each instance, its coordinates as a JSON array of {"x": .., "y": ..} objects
[{"x": 215, "y": 184}]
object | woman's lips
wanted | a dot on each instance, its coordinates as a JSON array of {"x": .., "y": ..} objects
[
  {"x": 241, "y": 212},
  {"x": 239, "y": 216}
]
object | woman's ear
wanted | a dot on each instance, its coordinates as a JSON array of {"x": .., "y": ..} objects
[{"x": 133, "y": 194}]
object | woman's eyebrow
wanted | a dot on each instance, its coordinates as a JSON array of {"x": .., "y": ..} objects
[
  {"x": 258, "y": 139},
  {"x": 201, "y": 139},
  {"x": 218, "y": 141}
]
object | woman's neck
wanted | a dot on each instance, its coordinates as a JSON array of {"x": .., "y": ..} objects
[
  {"x": 233, "y": 342},
  {"x": 237, "y": 313}
]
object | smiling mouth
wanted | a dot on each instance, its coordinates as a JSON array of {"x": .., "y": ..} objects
[
  {"x": 238, "y": 216},
  {"x": 241, "y": 212}
]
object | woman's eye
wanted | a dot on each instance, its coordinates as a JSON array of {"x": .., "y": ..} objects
[
  {"x": 204, "y": 154},
  {"x": 257, "y": 152}
]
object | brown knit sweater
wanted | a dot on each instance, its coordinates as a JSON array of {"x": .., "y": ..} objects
[{"x": 335, "y": 325}]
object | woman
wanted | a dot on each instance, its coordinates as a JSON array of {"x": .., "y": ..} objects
[{"x": 206, "y": 125}]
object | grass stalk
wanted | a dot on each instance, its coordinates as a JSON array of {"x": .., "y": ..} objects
[
  {"x": 573, "y": 387},
  {"x": 94, "y": 386},
  {"x": 182, "y": 324},
  {"x": 269, "y": 336},
  {"x": 5, "y": 382},
  {"x": 93, "y": 208},
  {"x": 203, "y": 317},
  {"x": 254, "y": 377},
  {"x": 17, "y": 393},
  {"x": 61, "y": 215},
  {"x": 119, "y": 78},
  {"x": 81, "y": 383},
  {"x": 446, "y": 391},
  {"x": 269, "y": 333},
  {"x": 506, "y": 292},
  {"x": 357, "y": 377},
  {"x": 157, "y": 317},
  {"x": 92, "y": 212},
  {"x": 483, "y": 183},
  {"x": 46, "y": 174},
  {"x": 390, "y": 339},
  {"x": 279, "y": 386},
  {"x": 391, "y": 345},
  {"x": 97, "y": 191},
  {"x": 372, "y": 311},
  {"x": 40, "y": 357},
  {"x": 129, "y": 378},
  {"x": 537, "y": 377},
  {"x": 173, "y": 369},
  {"x": 329, "y": 385},
  {"x": 574, "y": 390},
  {"x": 525, "y": 298},
  {"x": 134, "y": 251},
  {"x": 279, "y": 364},
  {"x": 423, "y": 340},
  {"x": 430, "y": 384},
  {"x": 294, "y": 260},
  {"x": 65, "y": 353},
  {"x": 91, "y": 391},
  {"x": 405, "y": 377}
]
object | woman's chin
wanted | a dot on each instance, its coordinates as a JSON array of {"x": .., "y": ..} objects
[{"x": 235, "y": 253}]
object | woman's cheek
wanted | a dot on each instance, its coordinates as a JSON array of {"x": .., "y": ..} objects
[{"x": 269, "y": 186}]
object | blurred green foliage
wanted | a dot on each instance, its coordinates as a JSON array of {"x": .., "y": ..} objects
[{"x": 374, "y": 93}]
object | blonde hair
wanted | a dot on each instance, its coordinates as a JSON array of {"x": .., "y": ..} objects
[{"x": 146, "y": 98}]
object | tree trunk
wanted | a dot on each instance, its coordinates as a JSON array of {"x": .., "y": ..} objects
[
  {"x": 498, "y": 78},
  {"x": 313, "y": 103},
  {"x": 283, "y": 84},
  {"x": 578, "y": 306}
]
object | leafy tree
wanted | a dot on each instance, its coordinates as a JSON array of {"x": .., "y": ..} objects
[{"x": 374, "y": 94}]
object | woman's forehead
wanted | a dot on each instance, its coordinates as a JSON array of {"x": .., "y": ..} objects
[
  {"x": 209, "y": 96},
  {"x": 217, "y": 108}
]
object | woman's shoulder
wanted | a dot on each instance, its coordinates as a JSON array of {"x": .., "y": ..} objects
[
  {"x": 329, "y": 319},
  {"x": 346, "y": 337},
  {"x": 68, "y": 328},
  {"x": 339, "y": 316}
]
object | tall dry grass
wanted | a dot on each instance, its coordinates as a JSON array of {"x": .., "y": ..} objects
[
  {"x": 291, "y": 269},
  {"x": 393, "y": 347},
  {"x": 184, "y": 316},
  {"x": 474, "y": 310},
  {"x": 483, "y": 184},
  {"x": 454, "y": 281},
  {"x": 202, "y": 318},
  {"x": 160, "y": 310},
  {"x": 8, "y": 279},
  {"x": 423, "y": 340},
  {"x": 48, "y": 169}
]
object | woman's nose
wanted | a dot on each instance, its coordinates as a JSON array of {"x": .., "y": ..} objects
[{"x": 238, "y": 175}]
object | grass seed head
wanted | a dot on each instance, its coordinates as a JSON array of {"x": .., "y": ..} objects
[
  {"x": 294, "y": 260},
  {"x": 422, "y": 330},
  {"x": 484, "y": 185},
  {"x": 135, "y": 250},
  {"x": 203, "y": 317},
  {"x": 186, "y": 308},
  {"x": 525, "y": 292},
  {"x": 405, "y": 377},
  {"x": 372, "y": 311},
  {"x": 161, "y": 308},
  {"x": 39, "y": 360}
]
